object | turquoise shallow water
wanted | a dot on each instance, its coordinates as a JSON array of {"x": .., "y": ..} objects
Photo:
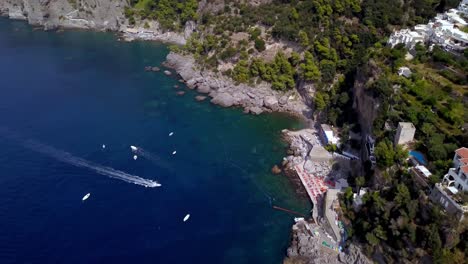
[{"x": 75, "y": 91}]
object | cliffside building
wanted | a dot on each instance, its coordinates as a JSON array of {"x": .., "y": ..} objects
[
  {"x": 443, "y": 30},
  {"x": 405, "y": 133},
  {"x": 458, "y": 176},
  {"x": 328, "y": 135},
  {"x": 447, "y": 193}
]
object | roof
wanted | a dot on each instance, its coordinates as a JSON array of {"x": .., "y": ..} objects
[
  {"x": 424, "y": 171},
  {"x": 452, "y": 189},
  {"x": 462, "y": 152},
  {"x": 406, "y": 125},
  {"x": 464, "y": 168},
  {"x": 326, "y": 127},
  {"x": 464, "y": 161}
]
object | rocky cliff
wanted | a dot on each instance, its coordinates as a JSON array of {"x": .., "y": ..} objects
[
  {"x": 306, "y": 248},
  {"x": 86, "y": 14},
  {"x": 364, "y": 103}
]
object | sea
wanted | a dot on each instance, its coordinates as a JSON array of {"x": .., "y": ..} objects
[{"x": 71, "y": 105}]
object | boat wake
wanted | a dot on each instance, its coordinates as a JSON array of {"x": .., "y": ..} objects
[
  {"x": 68, "y": 158},
  {"x": 152, "y": 157}
]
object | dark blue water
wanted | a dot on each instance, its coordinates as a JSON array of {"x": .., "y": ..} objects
[{"x": 75, "y": 91}]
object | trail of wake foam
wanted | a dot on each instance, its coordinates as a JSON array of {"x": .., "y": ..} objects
[{"x": 68, "y": 158}]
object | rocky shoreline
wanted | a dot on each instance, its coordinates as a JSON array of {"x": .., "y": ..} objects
[
  {"x": 305, "y": 248},
  {"x": 226, "y": 93}
]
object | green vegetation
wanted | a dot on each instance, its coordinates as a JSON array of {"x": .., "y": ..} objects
[
  {"x": 172, "y": 15},
  {"x": 432, "y": 102},
  {"x": 399, "y": 224},
  {"x": 397, "y": 221}
]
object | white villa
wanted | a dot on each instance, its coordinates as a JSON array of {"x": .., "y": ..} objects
[
  {"x": 457, "y": 177},
  {"x": 443, "y": 30}
]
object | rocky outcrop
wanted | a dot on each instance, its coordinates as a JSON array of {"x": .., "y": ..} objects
[
  {"x": 307, "y": 248},
  {"x": 85, "y": 14},
  {"x": 101, "y": 15},
  {"x": 226, "y": 93}
]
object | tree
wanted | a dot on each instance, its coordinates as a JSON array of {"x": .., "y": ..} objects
[
  {"x": 259, "y": 44},
  {"x": 310, "y": 70},
  {"x": 401, "y": 154},
  {"x": 384, "y": 153},
  {"x": 303, "y": 39},
  {"x": 360, "y": 181},
  {"x": 344, "y": 98},
  {"x": 402, "y": 195},
  {"x": 328, "y": 70},
  {"x": 295, "y": 58},
  {"x": 241, "y": 71},
  {"x": 319, "y": 101},
  {"x": 372, "y": 239}
]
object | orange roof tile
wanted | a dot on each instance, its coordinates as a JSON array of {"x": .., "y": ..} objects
[
  {"x": 464, "y": 168},
  {"x": 462, "y": 152},
  {"x": 464, "y": 161}
]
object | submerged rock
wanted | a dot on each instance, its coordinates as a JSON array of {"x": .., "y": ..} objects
[
  {"x": 152, "y": 69},
  {"x": 180, "y": 93},
  {"x": 167, "y": 72},
  {"x": 200, "y": 98},
  {"x": 276, "y": 169}
]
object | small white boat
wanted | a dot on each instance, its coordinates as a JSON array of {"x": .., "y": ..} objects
[
  {"x": 134, "y": 148},
  {"x": 186, "y": 217},
  {"x": 154, "y": 184},
  {"x": 135, "y": 157},
  {"x": 85, "y": 197},
  {"x": 103, "y": 146},
  {"x": 170, "y": 134},
  {"x": 174, "y": 152}
]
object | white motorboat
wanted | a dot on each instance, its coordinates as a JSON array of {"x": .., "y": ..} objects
[
  {"x": 186, "y": 217},
  {"x": 86, "y": 197}
]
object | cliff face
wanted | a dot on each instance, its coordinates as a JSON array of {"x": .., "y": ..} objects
[
  {"x": 85, "y": 14},
  {"x": 364, "y": 103}
]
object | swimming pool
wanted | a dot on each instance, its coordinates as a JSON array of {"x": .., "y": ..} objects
[{"x": 418, "y": 156}]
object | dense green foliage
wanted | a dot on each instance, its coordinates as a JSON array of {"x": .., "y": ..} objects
[
  {"x": 170, "y": 14},
  {"x": 432, "y": 102},
  {"x": 399, "y": 223}
]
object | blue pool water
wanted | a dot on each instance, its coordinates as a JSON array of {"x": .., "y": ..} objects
[
  {"x": 418, "y": 156},
  {"x": 74, "y": 91}
]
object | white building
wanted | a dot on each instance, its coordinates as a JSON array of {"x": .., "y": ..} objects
[
  {"x": 442, "y": 30},
  {"x": 328, "y": 135},
  {"x": 404, "y": 71},
  {"x": 405, "y": 133},
  {"x": 454, "y": 181},
  {"x": 458, "y": 177},
  {"x": 357, "y": 198}
]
